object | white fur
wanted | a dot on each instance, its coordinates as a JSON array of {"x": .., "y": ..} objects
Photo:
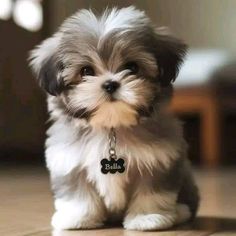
[
  {"x": 116, "y": 19},
  {"x": 76, "y": 214},
  {"x": 41, "y": 53},
  {"x": 149, "y": 222}
]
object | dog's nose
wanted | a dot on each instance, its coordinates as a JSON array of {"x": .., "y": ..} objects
[{"x": 110, "y": 86}]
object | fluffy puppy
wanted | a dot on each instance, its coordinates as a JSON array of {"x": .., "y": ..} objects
[{"x": 114, "y": 71}]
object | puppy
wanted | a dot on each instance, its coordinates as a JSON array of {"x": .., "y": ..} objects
[{"x": 108, "y": 80}]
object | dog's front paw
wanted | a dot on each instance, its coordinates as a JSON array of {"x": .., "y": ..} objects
[
  {"x": 147, "y": 222},
  {"x": 64, "y": 220}
]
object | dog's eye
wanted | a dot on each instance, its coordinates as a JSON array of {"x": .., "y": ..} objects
[
  {"x": 87, "y": 70},
  {"x": 132, "y": 67}
]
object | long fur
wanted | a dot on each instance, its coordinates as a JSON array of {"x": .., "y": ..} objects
[{"x": 157, "y": 189}]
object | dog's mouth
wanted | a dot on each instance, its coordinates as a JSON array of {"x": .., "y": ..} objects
[{"x": 111, "y": 98}]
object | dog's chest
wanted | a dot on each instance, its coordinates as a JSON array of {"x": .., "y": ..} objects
[
  {"x": 67, "y": 151},
  {"x": 111, "y": 187}
]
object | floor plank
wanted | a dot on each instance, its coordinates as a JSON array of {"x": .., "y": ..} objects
[{"x": 26, "y": 206}]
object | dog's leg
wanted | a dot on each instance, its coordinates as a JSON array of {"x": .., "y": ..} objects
[
  {"x": 77, "y": 205},
  {"x": 155, "y": 204},
  {"x": 150, "y": 210}
]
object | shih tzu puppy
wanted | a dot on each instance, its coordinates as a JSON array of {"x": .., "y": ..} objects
[{"x": 113, "y": 150}]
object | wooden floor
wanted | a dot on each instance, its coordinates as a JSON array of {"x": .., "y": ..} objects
[{"x": 26, "y": 206}]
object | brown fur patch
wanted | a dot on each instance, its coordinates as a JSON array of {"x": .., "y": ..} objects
[{"x": 113, "y": 114}]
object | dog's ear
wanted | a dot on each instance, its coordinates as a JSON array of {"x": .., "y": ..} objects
[
  {"x": 46, "y": 66},
  {"x": 169, "y": 53}
]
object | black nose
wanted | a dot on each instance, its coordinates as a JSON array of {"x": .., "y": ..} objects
[{"x": 110, "y": 86}]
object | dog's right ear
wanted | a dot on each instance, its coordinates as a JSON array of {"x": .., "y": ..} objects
[
  {"x": 46, "y": 66},
  {"x": 169, "y": 53}
]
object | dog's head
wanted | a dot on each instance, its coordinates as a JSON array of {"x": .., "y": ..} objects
[{"x": 110, "y": 70}]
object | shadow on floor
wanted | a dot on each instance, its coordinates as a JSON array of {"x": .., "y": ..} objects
[{"x": 208, "y": 223}]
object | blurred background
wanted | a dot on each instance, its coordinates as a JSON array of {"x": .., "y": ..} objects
[{"x": 205, "y": 96}]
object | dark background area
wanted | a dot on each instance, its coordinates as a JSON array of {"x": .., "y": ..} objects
[{"x": 22, "y": 103}]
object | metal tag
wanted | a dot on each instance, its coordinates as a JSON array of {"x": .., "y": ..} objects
[{"x": 113, "y": 164}]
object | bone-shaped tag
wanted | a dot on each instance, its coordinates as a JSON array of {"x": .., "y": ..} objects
[{"x": 112, "y": 166}]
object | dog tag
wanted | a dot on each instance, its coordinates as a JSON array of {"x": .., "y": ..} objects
[{"x": 112, "y": 166}]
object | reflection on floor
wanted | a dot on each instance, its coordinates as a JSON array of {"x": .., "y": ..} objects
[{"x": 26, "y": 206}]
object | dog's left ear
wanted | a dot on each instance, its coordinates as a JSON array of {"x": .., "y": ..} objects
[
  {"x": 46, "y": 66},
  {"x": 169, "y": 53}
]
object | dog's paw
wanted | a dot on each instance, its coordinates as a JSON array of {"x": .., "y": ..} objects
[
  {"x": 147, "y": 222},
  {"x": 64, "y": 220}
]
